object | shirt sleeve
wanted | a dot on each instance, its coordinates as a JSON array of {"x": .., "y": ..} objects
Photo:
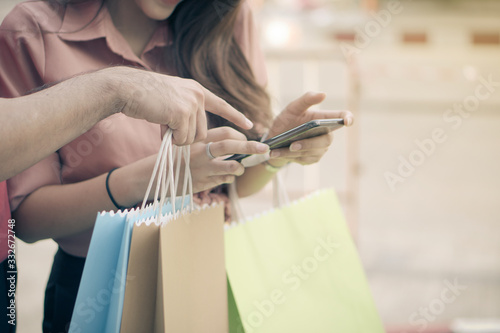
[
  {"x": 22, "y": 61},
  {"x": 247, "y": 37},
  {"x": 22, "y": 56}
]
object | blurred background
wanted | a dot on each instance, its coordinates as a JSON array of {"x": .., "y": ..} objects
[{"x": 418, "y": 174}]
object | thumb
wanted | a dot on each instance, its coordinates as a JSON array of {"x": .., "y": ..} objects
[{"x": 301, "y": 104}]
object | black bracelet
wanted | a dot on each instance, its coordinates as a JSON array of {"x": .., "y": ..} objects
[{"x": 109, "y": 191}]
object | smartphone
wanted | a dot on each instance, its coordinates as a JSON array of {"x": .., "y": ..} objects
[{"x": 305, "y": 131}]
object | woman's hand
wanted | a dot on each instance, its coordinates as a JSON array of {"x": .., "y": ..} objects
[
  {"x": 128, "y": 184},
  {"x": 207, "y": 172},
  {"x": 306, "y": 151}
]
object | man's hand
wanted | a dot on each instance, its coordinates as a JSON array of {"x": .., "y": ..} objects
[{"x": 174, "y": 102}]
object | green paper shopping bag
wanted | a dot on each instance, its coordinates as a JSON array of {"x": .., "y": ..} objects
[
  {"x": 234, "y": 319},
  {"x": 296, "y": 269}
]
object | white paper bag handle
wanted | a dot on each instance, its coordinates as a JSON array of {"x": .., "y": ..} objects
[
  {"x": 164, "y": 169},
  {"x": 167, "y": 141},
  {"x": 172, "y": 182},
  {"x": 280, "y": 197}
]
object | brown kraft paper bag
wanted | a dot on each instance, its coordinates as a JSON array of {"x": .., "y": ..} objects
[{"x": 192, "y": 287}]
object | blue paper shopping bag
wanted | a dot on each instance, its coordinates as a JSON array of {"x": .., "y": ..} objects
[
  {"x": 102, "y": 279},
  {"x": 99, "y": 304}
]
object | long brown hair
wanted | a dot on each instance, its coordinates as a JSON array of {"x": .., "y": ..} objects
[{"x": 205, "y": 50}]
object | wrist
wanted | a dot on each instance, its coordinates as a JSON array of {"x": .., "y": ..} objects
[
  {"x": 112, "y": 87},
  {"x": 110, "y": 194},
  {"x": 274, "y": 166},
  {"x": 277, "y": 163},
  {"x": 121, "y": 188}
]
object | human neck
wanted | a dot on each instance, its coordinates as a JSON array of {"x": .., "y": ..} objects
[{"x": 132, "y": 23}]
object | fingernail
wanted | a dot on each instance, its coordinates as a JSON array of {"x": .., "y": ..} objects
[
  {"x": 295, "y": 147},
  {"x": 249, "y": 123},
  {"x": 275, "y": 153},
  {"x": 262, "y": 148},
  {"x": 349, "y": 121}
]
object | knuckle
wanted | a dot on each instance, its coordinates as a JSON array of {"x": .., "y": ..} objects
[
  {"x": 200, "y": 136},
  {"x": 227, "y": 132},
  {"x": 254, "y": 146},
  {"x": 220, "y": 180},
  {"x": 191, "y": 138},
  {"x": 186, "y": 111},
  {"x": 223, "y": 146},
  {"x": 240, "y": 136},
  {"x": 197, "y": 88},
  {"x": 233, "y": 167}
]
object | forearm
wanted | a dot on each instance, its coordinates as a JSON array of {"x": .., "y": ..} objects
[
  {"x": 255, "y": 178},
  {"x": 35, "y": 126},
  {"x": 58, "y": 211}
]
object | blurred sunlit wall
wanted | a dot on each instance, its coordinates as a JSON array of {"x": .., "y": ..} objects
[{"x": 426, "y": 156}]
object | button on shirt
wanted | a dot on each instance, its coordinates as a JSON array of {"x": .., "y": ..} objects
[{"x": 42, "y": 43}]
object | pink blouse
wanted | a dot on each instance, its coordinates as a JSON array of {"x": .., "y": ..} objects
[{"x": 41, "y": 44}]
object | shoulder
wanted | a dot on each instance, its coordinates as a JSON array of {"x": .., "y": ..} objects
[
  {"x": 245, "y": 31},
  {"x": 22, "y": 46},
  {"x": 247, "y": 36},
  {"x": 244, "y": 21},
  {"x": 30, "y": 17}
]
